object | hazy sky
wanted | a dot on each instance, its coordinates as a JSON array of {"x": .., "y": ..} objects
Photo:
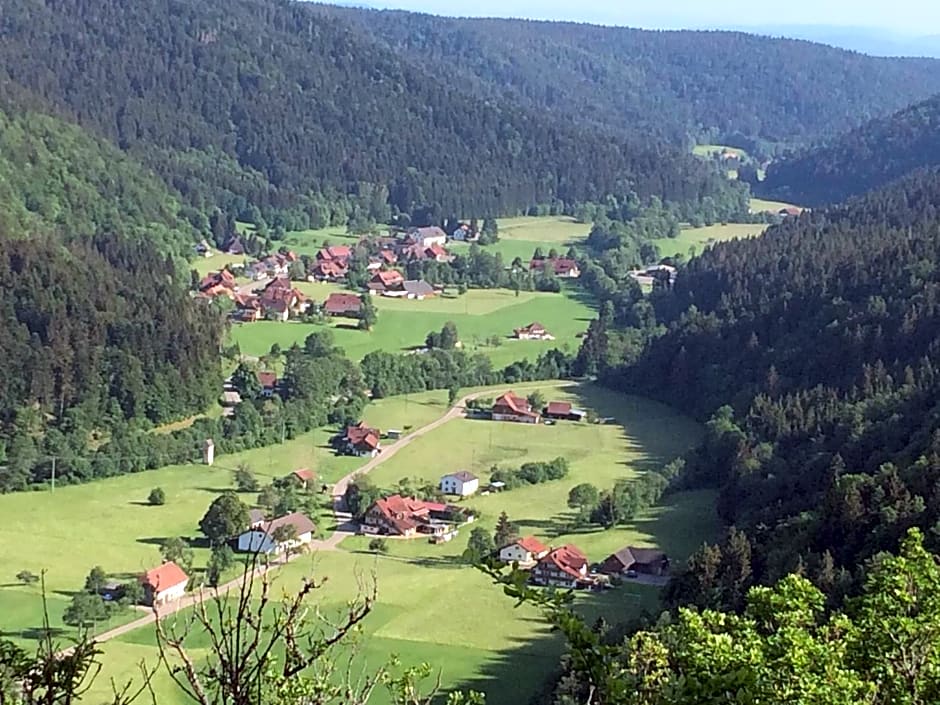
[{"x": 914, "y": 16}]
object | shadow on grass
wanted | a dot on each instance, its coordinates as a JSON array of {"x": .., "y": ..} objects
[{"x": 34, "y": 633}]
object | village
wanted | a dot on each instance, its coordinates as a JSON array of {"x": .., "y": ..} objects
[{"x": 438, "y": 517}]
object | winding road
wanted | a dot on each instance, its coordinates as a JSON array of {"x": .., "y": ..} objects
[{"x": 345, "y": 527}]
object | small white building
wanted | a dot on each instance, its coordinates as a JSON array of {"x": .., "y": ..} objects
[
  {"x": 462, "y": 484},
  {"x": 166, "y": 583},
  {"x": 208, "y": 452},
  {"x": 525, "y": 551},
  {"x": 265, "y": 537}
]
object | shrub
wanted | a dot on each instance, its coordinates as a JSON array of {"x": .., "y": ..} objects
[{"x": 157, "y": 497}]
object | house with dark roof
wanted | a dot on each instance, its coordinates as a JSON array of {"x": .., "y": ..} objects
[
  {"x": 563, "y": 411},
  {"x": 407, "y": 517},
  {"x": 565, "y": 567},
  {"x": 163, "y": 584},
  {"x": 360, "y": 440},
  {"x": 533, "y": 331},
  {"x": 509, "y": 407},
  {"x": 462, "y": 483},
  {"x": 342, "y": 304},
  {"x": 417, "y": 289},
  {"x": 279, "y": 535},
  {"x": 234, "y": 246},
  {"x": 525, "y": 552},
  {"x": 649, "y": 561}
]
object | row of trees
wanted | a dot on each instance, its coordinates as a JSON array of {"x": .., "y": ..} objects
[{"x": 531, "y": 473}]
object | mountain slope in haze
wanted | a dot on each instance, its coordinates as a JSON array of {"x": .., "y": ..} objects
[
  {"x": 295, "y": 106},
  {"x": 863, "y": 159},
  {"x": 56, "y": 177},
  {"x": 680, "y": 84}
]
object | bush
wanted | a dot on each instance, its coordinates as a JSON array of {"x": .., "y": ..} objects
[
  {"x": 378, "y": 545},
  {"x": 157, "y": 497}
]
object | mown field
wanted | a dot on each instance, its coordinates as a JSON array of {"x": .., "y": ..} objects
[
  {"x": 434, "y": 609},
  {"x": 700, "y": 238},
  {"x": 403, "y": 325}
]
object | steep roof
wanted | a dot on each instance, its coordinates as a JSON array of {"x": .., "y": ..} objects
[
  {"x": 463, "y": 476},
  {"x": 432, "y": 231},
  {"x": 304, "y": 474},
  {"x": 568, "y": 559},
  {"x": 164, "y": 577},
  {"x": 516, "y": 404},
  {"x": 631, "y": 555},
  {"x": 339, "y": 302},
  {"x": 559, "y": 408},
  {"x": 418, "y": 287},
  {"x": 301, "y": 523},
  {"x": 268, "y": 380},
  {"x": 534, "y": 327},
  {"x": 531, "y": 544}
]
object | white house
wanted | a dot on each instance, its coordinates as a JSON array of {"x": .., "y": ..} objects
[
  {"x": 164, "y": 584},
  {"x": 266, "y": 537},
  {"x": 462, "y": 484},
  {"x": 429, "y": 236},
  {"x": 526, "y": 551}
]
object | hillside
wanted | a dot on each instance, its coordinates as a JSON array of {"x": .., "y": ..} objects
[
  {"x": 710, "y": 86},
  {"x": 822, "y": 337},
  {"x": 56, "y": 177},
  {"x": 866, "y": 158},
  {"x": 273, "y": 105}
]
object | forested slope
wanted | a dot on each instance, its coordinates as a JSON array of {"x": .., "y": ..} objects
[
  {"x": 55, "y": 177},
  {"x": 863, "y": 159},
  {"x": 275, "y": 105},
  {"x": 823, "y": 337},
  {"x": 679, "y": 85}
]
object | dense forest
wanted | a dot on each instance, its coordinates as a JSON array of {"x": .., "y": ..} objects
[
  {"x": 863, "y": 159},
  {"x": 707, "y": 86},
  {"x": 813, "y": 350},
  {"x": 54, "y": 177},
  {"x": 274, "y": 105}
]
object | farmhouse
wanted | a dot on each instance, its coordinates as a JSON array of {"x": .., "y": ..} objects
[
  {"x": 280, "y": 299},
  {"x": 234, "y": 246},
  {"x": 279, "y": 535},
  {"x": 565, "y": 567},
  {"x": 164, "y": 584},
  {"x": 533, "y": 331},
  {"x": 563, "y": 267},
  {"x": 428, "y": 236},
  {"x": 526, "y": 552},
  {"x": 268, "y": 382},
  {"x": 361, "y": 441},
  {"x": 330, "y": 270},
  {"x": 790, "y": 212},
  {"x": 341, "y": 304},
  {"x": 417, "y": 289},
  {"x": 462, "y": 484},
  {"x": 563, "y": 411},
  {"x": 334, "y": 253},
  {"x": 407, "y": 516},
  {"x": 509, "y": 407},
  {"x": 384, "y": 282},
  {"x": 649, "y": 561}
]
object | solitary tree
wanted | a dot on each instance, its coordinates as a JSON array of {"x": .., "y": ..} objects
[
  {"x": 226, "y": 517},
  {"x": 506, "y": 532},
  {"x": 367, "y": 314},
  {"x": 27, "y": 578},
  {"x": 378, "y": 545},
  {"x": 479, "y": 546},
  {"x": 96, "y": 580},
  {"x": 85, "y": 610},
  {"x": 245, "y": 479},
  {"x": 453, "y": 393},
  {"x": 157, "y": 497},
  {"x": 177, "y": 550},
  {"x": 222, "y": 559},
  {"x": 584, "y": 498}
]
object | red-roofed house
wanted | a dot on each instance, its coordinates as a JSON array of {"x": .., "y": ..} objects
[
  {"x": 406, "y": 516},
  {"x": 509, "y": 407},
  {"x": 305, "y": 476},
  {"x": 339, "y": 253},
  {"x": 563, "y": 267},
  {"x": 437, "y": 253},
  {"x": 220, "y": 283},
  {"x": 533, "y": 331},
  {"x": 330, "y": 270},
  {"x": 382, "y": 282},
  {"x": 562, "y": 410},
  {"x": 164, "y": 584},
  {"x": 525, "y": 551},
  {"x": 342, "y": 304},
  {"x": 268, "y": 382},
  {"x": 361, "y": 440},
  {"x": 565, "y": 567}
]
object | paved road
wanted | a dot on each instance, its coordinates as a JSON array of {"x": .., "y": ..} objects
[{"x": 345, "y": 527}]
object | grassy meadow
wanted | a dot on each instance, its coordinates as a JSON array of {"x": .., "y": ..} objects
[
  {"x": 434, "y": 609},
  {"x": 404, "y": 324},
  {"x": 700, "y": 238}
]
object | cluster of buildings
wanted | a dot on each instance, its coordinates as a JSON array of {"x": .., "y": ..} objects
[
  {"x": 408, "y": 517},
  {"x": 279, "y": 300},
  {"x": 561, "y": 267},
  {"x": 512, "y": 407},
  {"x": 568, "y": 567}
]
